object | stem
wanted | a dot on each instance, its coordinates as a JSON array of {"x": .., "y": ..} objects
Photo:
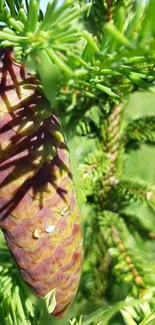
[
  {"x": 109, "y": 10},
  {"x": 110, "y": 134}
]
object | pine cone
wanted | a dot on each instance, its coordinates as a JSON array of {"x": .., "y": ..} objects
[{"x": 38, "y": 209}]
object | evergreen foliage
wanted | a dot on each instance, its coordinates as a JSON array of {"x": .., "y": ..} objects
[{"x": 90, "y": 56}]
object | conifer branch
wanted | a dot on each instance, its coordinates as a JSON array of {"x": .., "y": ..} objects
[
  {"x": 126, "y": 261},
  {"x": 132, "y": 190},
  {"x": 141, "y": 130},
  {"x": 15, "y": 304},
  {"x": 111, "y": 147}
]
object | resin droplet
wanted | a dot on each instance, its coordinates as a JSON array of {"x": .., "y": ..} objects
[
  {"x": 80, "y": 243},
  {"x": 64, "y": 211},
  {"x": 50, "y": 228},
  {"x": 38, "y": 232}
]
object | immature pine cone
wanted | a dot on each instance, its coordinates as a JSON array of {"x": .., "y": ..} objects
[{"x": 38, "y": 210}]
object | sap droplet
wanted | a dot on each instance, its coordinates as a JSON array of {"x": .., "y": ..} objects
[
  {"x": 40, "y": 149},
  {"x": 50, "y": 228},
  {"x": 64, "y": 211},
  {"x": 38, "y": 232},
  {"x": 80, "y": 243}
]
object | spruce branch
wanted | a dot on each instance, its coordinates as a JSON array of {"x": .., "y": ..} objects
[
  {"x": 15, "y": 304},
  {"x": 126, "y": 261},
  {"x": 111, "y": 147},
  {"x": 140, "y": 130},
  {"x": 31, "y": 34},
  {"x": 132, "y": 190},
  {"x": 95, "y": 270},
  {"x": 92, "y": 169}
]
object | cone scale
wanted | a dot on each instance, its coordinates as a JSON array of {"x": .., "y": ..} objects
[{"x": 38, "y": 210}]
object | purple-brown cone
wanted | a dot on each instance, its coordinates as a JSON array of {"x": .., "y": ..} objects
[{"x": 38, "y": 210}]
